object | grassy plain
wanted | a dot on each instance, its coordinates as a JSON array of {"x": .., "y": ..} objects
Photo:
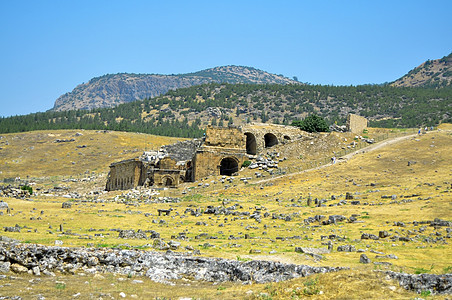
[{"x": 417, "y": 170}]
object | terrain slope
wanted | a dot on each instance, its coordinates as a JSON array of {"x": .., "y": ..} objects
[
  {"x": 70, "y": 152},
  {"x": 432, "y": 73}
]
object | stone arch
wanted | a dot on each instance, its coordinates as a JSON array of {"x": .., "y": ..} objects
[
  {"x": 229, "y": 166},
  {"x": 251, "y": 145},
  {"x": 167, "y": 181},
  {"x": 270, "y": 140}
]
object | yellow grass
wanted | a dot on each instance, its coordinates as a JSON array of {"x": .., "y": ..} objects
[
  {"x": 35, "y": 154},
  {"x": 368, "y": 175}
]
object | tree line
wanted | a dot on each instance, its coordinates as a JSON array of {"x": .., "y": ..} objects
[{"x": 182, "y": 112}]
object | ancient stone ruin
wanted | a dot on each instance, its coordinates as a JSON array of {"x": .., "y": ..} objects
[
  {"x": 221, "y": 152},
  {"x": 355, "y": 123}
]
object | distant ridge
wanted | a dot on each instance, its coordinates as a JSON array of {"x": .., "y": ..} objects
[
  {"x": 432, "y": 73},
  {"x": 113, "y": 89}
]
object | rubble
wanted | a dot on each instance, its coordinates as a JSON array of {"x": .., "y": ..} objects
[{"x": 159, "y": 267}]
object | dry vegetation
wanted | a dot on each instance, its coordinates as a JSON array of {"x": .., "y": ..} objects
[
  {"x": 37, "y": 154},
  {"x": 423, "y": 190}
]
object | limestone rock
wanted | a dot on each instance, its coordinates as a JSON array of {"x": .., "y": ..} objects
[
  {"x": 364, "y": 259},
  {"x": 5, "y": 267}
]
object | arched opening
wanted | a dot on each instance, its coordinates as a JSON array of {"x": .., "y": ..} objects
[
  {"x": 168, "y": 181},
  {"x": 270, "y": 140},
  {"x": 228, "y": 166},
  {"x": 287, "y": 138},
  {"x": 250, "y": 143}
]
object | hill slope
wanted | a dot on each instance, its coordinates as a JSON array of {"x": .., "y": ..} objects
[
  {"x": 432, "y": 73},
  {"x": 70, "y": 152},
  {"x": 113, "y": 89},
  {"x": 186, "y": 111}
]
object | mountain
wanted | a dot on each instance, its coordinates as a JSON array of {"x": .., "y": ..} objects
[
  {"x": 113, "y": 89},
  {"x": 432, "y": 73}
]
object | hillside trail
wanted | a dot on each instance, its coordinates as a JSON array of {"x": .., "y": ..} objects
[{"x": 346, "y": 157}]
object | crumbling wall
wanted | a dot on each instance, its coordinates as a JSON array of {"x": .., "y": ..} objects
[
  {"x": 208, "y": 161},
  {"x": 125, "y": 174},
  {"x": 226, "y": 137},
  {"x": 168, "y": 178},
  {"x": 223, "y": 152},
  {"x": 356, "y": 124},
  {"x": 167, "y": 163},
  {"x": 183, "y": 150},
  {"x": 268, "y": 135}
]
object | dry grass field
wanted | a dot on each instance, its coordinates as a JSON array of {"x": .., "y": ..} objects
[
  {"x": 38, "y": 154},
  {"x": 394, "y": 186}
]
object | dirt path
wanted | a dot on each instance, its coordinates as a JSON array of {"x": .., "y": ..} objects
[
  {"x": 376, "y": 146},
  {"x": 346, "y": 157}
]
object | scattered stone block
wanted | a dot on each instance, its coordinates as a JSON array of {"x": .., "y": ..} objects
[
  {"x": 364, "y": 259},
  {"x": 66, "y": 205},
  {"x": 346, "y": 248},
  {"x": 5, "y": 267},
  {"x": 16, "y": 268}
]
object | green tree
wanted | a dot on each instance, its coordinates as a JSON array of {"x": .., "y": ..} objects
[{"x": 312, "y": 123}]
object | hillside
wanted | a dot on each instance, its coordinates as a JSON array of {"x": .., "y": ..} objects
[
  {"x": 432, "y": 73},
  {"x": 186, "y": 111},
  {"x": 70, "y": 152},
  {"x": 113, "y": 89}
]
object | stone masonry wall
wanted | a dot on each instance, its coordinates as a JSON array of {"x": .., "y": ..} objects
[
  {"x": 282, "y": 133},
  {"x": 167, "y": 178},
  {"x": 207, "y": 160},
  {"x": 227, "y": 137},
  {"x": 356, "y": 124},
  {"x": 124, "y": 175}
]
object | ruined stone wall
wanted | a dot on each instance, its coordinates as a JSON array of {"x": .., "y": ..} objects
[
  {"x": 223, "y": 152},
  {"x": 227, "y": 137},
  {"x": 356, "y": 124},
  {"x": 168, "y": 163},
  {"x": 268, "y": 135},
  {"x": 167, "y": 178},
  {"x": 125, "y": 175},
  {"x": 208, "y": 161}
]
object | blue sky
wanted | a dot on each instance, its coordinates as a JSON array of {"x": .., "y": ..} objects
[{"x": 49, "y": 47}]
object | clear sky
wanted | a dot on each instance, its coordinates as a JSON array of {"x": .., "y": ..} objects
[{"x": 48, "y": 47}]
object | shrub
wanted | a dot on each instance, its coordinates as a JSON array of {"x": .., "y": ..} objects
[
  {"x": 246, "y": 164},
  {"x": 312, "y": 123},
  {"x": 27, "y": 188}
]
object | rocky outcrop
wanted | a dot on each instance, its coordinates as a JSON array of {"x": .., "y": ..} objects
[
  {"x": 160, "y": 267},
  {"x": 436, "y": 284},
  {"x": 113, "y": 89},
  {"x": 169, "y": 266}
]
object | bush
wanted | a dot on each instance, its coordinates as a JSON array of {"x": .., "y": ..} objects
[
  {"x": 27, "y": 188},
  {"x": 246, "y": 164},
  {"x": 312, "y": 123}
]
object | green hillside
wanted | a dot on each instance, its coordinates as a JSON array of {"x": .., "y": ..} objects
[{"x": 184, "y": 112}]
